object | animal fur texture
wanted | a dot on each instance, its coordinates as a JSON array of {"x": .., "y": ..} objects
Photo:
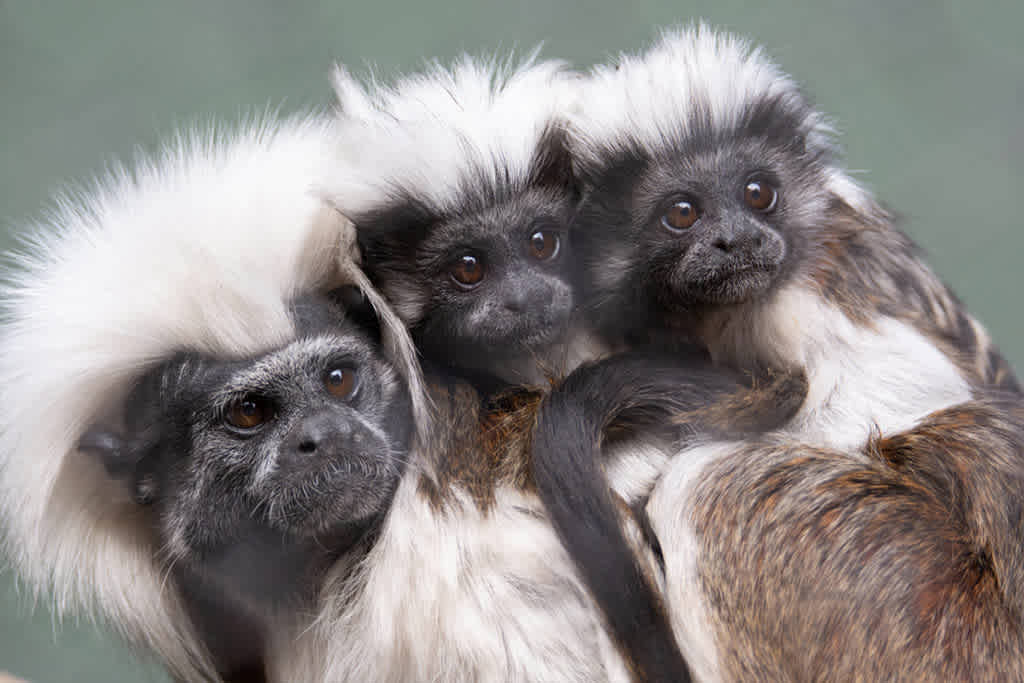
[
  {"x": 845, "y": 295},
  {"x": 200, "y": 249},
  {"x": 897, "y": 561},
  {"x": 666, "y": 400},
  {"x": 258, "y": 474},
  {"x": 468, "y": 161},
  {"x": 468, "y": 579},
  {"x": 824, "y": 551}
]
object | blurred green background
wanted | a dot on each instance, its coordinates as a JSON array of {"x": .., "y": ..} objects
[{"x": 928, "y": 95}]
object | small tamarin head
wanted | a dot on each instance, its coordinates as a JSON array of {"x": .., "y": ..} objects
[
  {"x": 305, "y": 442},
  {"x": 708, "y": 175},
  {"x": 466, "y": 226}
]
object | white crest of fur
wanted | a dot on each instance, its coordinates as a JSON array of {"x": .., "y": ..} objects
[
  {"x": 201, "y": 249},
  {"x": 432, "y": 133},
  {"x": 648, "y": 99}
]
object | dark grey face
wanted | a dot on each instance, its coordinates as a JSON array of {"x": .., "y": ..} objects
[
  {"x": 498, "y": 280},
  {"x": 716, "y": 219},
  {"x": 489, "y": 278},
  {"x": 306, "y": 442}
]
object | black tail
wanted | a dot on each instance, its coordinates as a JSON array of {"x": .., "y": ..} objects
[{"x": 673, "y": 396}]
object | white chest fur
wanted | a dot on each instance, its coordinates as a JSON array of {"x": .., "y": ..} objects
[
  {"x": 459, "y": 594},
  {"x": 886, "y": 376}
]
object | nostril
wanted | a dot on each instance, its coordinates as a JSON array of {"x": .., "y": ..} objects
[
  {"x": 307, "y": 446},
  {"x": 722, "y": 244}
]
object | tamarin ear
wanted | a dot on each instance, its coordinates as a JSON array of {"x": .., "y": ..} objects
[
  {"x": 552, "y": 163},
  {"x": 109, "y": 447},
  {"x": 358, "y": 309},
  {"x": 120, "y": 460}
]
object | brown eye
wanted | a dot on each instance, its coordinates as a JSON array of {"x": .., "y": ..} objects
[
  {"x": 760, "y": 196},
  {"x": 680, "y": 216},
  {"x": 249, "y": 412},
  {"x": 544, "y": 245},
  {"x": 340, "y": 382},
  {"x": 468, "y": 271}
]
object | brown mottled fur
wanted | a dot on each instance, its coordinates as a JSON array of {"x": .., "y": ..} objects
[
  {"x": 901, "y": 563},
  {"x": 477, "y": 445},
  {"x": 772, "y": 394},
  {"x": 868, "y": 268}
]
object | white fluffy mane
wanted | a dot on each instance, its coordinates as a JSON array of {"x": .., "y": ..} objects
[
  {"x": 649, "y": 98},
  {"x": 476, "y": 122},
  {"x": 200, "y": 248}
]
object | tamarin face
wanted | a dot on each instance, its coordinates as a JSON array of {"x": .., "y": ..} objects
[
  {"x": 708, "y": 179},
  {"x": 489, "y": 278},
  {"x": 718, "y": 218},
  {"x": 304, "y": 442}
]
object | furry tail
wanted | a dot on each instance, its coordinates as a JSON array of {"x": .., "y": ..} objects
[
  {"x": 649, "y": 395},
  {"x": 570, "y": 479}
]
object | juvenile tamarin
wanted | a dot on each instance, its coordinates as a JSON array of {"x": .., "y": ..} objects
[
  {"x": 461, "y": 187},
  {"x": 715, "y": 211},
  {"x": 260, "y": 473}
]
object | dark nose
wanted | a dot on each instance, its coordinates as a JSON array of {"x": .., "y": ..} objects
[
  {"x": 523, "y": 298},
  {"x": 324, "y": 434},
  {"x": 738, "y": 238}
]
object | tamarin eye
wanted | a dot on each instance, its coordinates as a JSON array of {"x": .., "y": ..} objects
[
  {"x": 249, "y": 412},
  {"x": 544, "y": 245},
  {"x": 760, "y": 196},
  {"x": 468, "y": 271},
  {"x": 340, "y": 382},
  {"x": 680, "y": 216}
]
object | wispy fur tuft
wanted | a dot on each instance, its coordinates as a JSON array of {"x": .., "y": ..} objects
[
  {"x": 468, "y": 129},
  {"x": 200, "y": 248},
  {"x": 695, "y": 82}
]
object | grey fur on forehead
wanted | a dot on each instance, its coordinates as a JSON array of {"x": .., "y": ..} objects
[{"x": 294, "y": 360}]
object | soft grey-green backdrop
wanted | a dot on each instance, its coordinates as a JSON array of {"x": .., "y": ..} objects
[{"x": 928, "y": 95}]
